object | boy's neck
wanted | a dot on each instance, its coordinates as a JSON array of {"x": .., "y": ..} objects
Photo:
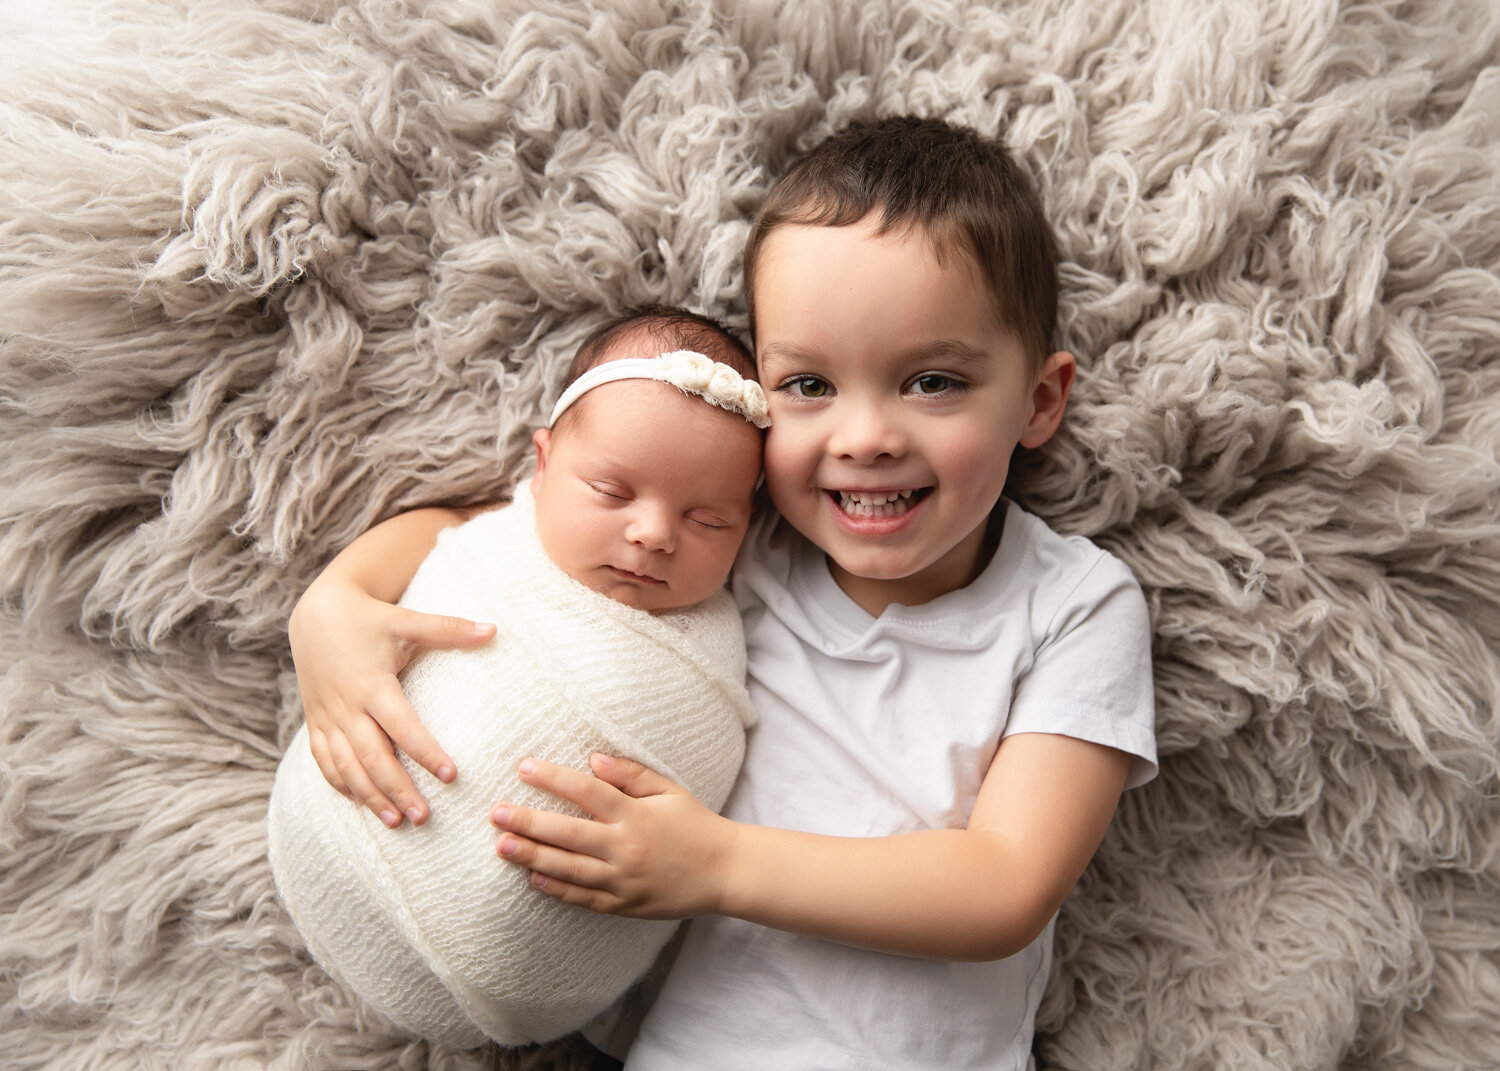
[{"x": 959, "y": 568}]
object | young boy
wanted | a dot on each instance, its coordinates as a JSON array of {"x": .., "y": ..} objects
[{"x": 951, "y": 697}]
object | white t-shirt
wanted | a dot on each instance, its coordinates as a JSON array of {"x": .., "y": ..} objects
[{"x": 877, "y": 726}]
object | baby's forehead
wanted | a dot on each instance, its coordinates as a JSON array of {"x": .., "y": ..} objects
[
  {"x": 613, "y": 405},
  {"x": 653, "y": 429}
]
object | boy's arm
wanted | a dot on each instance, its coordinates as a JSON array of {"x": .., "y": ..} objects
[
  {"x": 980, "y": 893},
  {"x": 349, "y": 642}
]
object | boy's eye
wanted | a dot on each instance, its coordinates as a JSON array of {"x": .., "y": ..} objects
[
  {"x": 608, "y": 490},
  {"x": 708, "y": 521},
  {"x": 807, "y": 387},
  {"x": 934, "y": 383}
]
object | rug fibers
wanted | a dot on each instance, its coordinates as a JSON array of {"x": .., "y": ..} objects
[{"x": 271, "y": 272}]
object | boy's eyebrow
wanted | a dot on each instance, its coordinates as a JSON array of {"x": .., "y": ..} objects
[
  {"x": 941, "y": 348},
  {"x": 784, "y": 351},
  {"x": 950, "y": 347}
]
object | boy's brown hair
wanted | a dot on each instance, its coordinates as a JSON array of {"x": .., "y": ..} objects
[{"x": 963, "y": 191}]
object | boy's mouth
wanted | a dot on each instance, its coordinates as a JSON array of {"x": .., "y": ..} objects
[{"x": 878, "y": 503}]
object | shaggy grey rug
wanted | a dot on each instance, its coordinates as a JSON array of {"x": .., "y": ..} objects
[{"x": 270, "y": 272}]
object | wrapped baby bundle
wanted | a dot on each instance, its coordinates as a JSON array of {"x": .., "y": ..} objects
[{"x": 426, "y": 923}]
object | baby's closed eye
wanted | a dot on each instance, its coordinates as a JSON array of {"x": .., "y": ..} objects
[
  {"x": 610, "y": 490},
  {"x": 708, "y": 520}
]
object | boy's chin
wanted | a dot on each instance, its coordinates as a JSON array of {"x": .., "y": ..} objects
[
  {"x": 916, "y": 574},
  {"x": 876, "y": 571},
  {"x": 883, "y": 571}
]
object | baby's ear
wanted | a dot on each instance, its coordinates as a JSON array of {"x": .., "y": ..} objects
[{"x": 542, "y": 437}]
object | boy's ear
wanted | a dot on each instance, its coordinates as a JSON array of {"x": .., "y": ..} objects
[
  {"x": 1049, "y": 397},
  {"x": 542, "y": 437}
]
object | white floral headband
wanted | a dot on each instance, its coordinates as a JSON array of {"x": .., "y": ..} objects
[{"x": 690, "y": 372}]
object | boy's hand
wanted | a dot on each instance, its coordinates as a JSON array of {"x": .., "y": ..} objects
[
  {"x": 348, "y": 648},
  {"x": 652, "y": 851}
]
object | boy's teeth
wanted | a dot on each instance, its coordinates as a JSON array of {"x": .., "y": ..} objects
[{"x": 888, "y": 504}]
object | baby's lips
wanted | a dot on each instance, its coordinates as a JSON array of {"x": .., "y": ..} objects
[{"x": 643, "y": 577}]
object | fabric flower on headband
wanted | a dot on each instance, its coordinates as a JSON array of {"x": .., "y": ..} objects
[{"x": 686, "y": 370}]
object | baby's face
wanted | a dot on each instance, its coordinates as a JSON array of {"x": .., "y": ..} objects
[{"x": 645, "y": 494}]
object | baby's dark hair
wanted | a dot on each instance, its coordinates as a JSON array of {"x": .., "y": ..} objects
[
  {"x": 963, "y": 191},
  {"x": 668, "y": 328}
]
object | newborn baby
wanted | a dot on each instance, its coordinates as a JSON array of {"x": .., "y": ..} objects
[{"x": 605, "y": 579}]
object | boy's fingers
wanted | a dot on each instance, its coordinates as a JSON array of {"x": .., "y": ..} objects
[
  {"x": 595, "y": 796},
  {"x": 372, "y": 749},
  {"x": 360, "y": 785},
  {"x": 407, "y": 732},
  {"x": 578, "y": 896},
  {"x": 319, "y": 746},
  {"x": 440, "y": 631},
  {"x": 629, "y": 776},
  {"x": 548, "y": 827},
  {"x": 564, "y": 866}
]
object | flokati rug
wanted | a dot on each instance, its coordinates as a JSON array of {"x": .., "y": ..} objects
[{"x": 271, "y": 272}]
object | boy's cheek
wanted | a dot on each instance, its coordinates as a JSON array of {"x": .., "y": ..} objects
[
  {"x": 788, "y": 460},
  {"x": 786, "y": 493}
]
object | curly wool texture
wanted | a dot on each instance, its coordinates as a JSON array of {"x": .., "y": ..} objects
[{"x": 270, "y": 272}]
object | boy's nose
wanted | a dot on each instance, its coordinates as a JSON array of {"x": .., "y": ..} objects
[
  {"x": 865, "y": 433},
  {"x": 652, "y": 528}
]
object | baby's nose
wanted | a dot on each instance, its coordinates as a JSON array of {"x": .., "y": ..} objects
[{"x": 652, "y": 528}]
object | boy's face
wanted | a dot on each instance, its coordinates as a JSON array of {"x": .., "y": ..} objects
[
  {"x": 896, "y": 403},
  {"x": 645, "y": 495}
]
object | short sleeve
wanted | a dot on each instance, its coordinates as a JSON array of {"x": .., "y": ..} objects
[{"x": 1091, "y": 674}]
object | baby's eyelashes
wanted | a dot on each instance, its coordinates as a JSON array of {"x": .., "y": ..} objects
[{"x": 610, "y": 490}]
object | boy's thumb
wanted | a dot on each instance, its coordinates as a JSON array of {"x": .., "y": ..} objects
[{"x": 439, "y": 630}]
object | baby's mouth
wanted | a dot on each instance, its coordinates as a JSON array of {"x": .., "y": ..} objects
[
  {"x": 878, "y": 503},
  {"x": 639, "y": 578}
]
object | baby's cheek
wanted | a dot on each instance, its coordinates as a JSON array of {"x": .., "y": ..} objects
[{"x": 709, "y": 568}]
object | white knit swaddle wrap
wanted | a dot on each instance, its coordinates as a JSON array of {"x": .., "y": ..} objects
[{"x": 426, "y": 923}]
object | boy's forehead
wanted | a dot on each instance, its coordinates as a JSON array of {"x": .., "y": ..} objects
[
  {"x": 938, "y": 246},
  {"x": 826, "y": 257},
  {"x": 889, "y": 293}
]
